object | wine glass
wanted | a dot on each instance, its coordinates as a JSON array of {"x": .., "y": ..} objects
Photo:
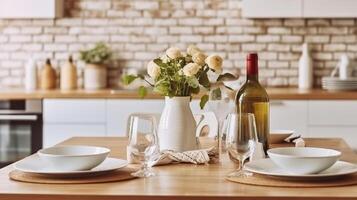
[
  {"x": 143, "y": 142},
  {"x": 240, "y": 141}
]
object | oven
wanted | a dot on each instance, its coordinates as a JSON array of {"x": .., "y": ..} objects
[{"x": 20, "y": 129}]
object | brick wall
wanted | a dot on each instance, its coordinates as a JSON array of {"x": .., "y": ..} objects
[{"x": 139, "y": 30}]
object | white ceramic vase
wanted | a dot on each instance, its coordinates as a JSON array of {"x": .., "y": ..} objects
[
  {"x": 95, "y": 77},
  {"x": 177, "y": 128}
]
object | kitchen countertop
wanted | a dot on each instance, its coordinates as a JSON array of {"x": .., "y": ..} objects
[
  {"x": 274, "y": 93},
  {"x": 174, "y": 182}
]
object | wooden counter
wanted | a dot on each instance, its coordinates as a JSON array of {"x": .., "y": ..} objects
[
  {"x": 274, "y": 93},
  {"x": 174, "y": 182}
]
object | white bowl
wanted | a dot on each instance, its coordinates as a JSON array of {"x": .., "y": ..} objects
[
  {"x": 303, "y": 160},
  {"x": 73, "y": 158}
]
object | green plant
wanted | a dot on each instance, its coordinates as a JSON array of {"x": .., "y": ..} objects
[
  {"x": 97, "y": 55},
  {"x": 183, "y": 74}
]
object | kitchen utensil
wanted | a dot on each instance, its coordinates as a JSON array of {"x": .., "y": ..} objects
[
  {"x": 240, "y": 141},
  {"x": 73, "y": 158},
  {"x": 143, "y": 142},
  {"x": 303, "y": 160},
  {"x": 34, "y": 164}
]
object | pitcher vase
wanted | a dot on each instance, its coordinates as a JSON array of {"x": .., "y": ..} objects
[{"x": 177, "y": 127}]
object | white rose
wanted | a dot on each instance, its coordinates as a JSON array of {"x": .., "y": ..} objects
[
  {"x": 191, "y": 69},
  {"x": 199, "y": 58},
  {"x": 173, "y": 53},
  {"x": 192, "y": 50},
  {"x": 153, "y": 69},
  {"x": 165, "y": 58},
  {"x": 214, "y": 62}
]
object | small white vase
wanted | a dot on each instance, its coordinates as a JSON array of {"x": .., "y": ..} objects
[
  {"x": 95, "y": 77},
  {"x": 177, "y": 128}
]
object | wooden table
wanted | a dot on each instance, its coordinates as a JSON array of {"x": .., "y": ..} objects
[{"x": 183, "y": 181}]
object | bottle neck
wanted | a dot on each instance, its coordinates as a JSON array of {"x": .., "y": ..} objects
[{"x": 252, "y": 69}]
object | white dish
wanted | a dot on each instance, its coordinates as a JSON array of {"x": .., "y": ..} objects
[
  {"x": 35, "y": 165},
  {"x": 268, "y": 167},
  {"x": 73, "y": 158},
  {"x": 303, "y": 160}
]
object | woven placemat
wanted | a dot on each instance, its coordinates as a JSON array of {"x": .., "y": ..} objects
[
  {"x": 117, "y": 175},
  {"x": 262, "y": 180}
]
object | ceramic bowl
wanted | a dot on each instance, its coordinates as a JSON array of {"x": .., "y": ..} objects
[
  {"x": 278, "y": 136},
  {"x": 303, "y": 160},
  {"x": 73, "y": 158}
]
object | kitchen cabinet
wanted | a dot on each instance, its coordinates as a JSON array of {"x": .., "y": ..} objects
[
  {"x": 299, "y": 8},
  {"x": 12, "y": 9},
  {"x": 290, "y": 115}
]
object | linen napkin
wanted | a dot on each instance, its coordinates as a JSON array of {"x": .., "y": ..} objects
[
  {"x": 201, "y": 156},
  {"x": 296, "y": 139}
]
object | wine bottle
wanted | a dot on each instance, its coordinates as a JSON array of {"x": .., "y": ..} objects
[{"x": 253, "y": 98}]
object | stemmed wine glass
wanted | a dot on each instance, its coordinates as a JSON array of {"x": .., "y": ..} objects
[
  {"x": 240, "y": 141},
  {"x": 143, "y": 142}
]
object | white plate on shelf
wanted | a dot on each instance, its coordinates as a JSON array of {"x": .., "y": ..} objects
[
  {"x": 35, "y": 165},
  {"x": 267, "y": 167}
]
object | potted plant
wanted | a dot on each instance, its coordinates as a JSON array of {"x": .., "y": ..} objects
[
  {"x": 177, "y": 76},
  {"x": 95, "y": 72}
]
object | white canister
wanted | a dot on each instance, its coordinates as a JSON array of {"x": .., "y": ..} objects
[
  {"x": 31, "y": 75},
  {"x": 305, "y": 68},
  {"x": 95, "y": 77},
  {"x": 345, "y": 69}
]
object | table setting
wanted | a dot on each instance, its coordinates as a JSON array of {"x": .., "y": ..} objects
[{"x": 240, "y": 153}]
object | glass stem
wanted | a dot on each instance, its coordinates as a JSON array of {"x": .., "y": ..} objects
[
  {"x": 145, "y": 166},
  {"x": 241, "y": 163}
]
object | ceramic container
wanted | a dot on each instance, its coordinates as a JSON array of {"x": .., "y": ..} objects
[
  {"x": 177, "y": 128},
  {"x": 303, "y": 160},
  {"x": 305, "y": 68},
  {"x": 95, "y": 77},
  {"x": 68, "y": 75},
  {"x": 31, "y": 75},
  {"x": 48, "y": 77},
  {"x": 73, "y": 158}
]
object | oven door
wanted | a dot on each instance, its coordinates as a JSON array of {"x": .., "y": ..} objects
[{"x": 20, "y": 136}]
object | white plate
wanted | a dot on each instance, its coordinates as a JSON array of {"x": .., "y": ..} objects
[
  {"x": 267, "y": 167},
  {"x": 34, "y": 164}
]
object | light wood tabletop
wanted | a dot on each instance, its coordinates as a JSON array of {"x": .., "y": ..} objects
[{"x": 180, "y": 181}]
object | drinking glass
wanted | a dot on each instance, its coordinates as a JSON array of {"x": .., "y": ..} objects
[
  {"x": 143, "y": 142},
  {"x": 240, "y": 141}
]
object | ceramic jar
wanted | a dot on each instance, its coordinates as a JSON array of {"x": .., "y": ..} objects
[{"x": 95, "y": 77}]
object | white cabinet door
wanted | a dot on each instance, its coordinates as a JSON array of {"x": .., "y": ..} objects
[
  {"x": 74, "y": 111},
  {"x": 271, "y": 8},
  {"x": 348, "y": 133},
  {"x": 55, "y": 133},
  {"x": 333, "y": 113},
  {"x": 329, "y": 8},
  {"x": 119, "y": 110},
  {"x": 290, "y": 115}
]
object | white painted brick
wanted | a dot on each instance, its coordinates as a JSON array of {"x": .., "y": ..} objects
[
  {"x": 343, "y": 39},
  {"x": 165, "y": 22},
  {"x": 4, "y": 55},
  {"x": 167, "y": 39},
  {"x": 145, "y": 55},
  {"x": 287, "y": 72},
  {"x": 289, "y": 56},
  {"x": 31, "y": 30},
  {"x": 206, "y": 13},
  {"x": 269, "y": 22},
  {"x": 278, "y": 47},
  {"x": 4, "y": 38},
  {"x": 304, "y": 30},
  {"x": 43, "y": 38},
  {"x": 228, "y": 47},
  {"x": 278, "y": 64},
  {"x": 56, "y": 30},
  {"x": 241, "y": 38},
  {"x": 318, "y": 22},
  {"x": 55, "y": 47},
  {"x": 203, "y": 30},
  {"x": 65, "y": 38},
  {"x": 121, "y": 21},
  {"x": 192, "y": 4},
  {"x": 239, "y": 22},
  {"x": 254, "y": 30},
  {"x": 156, "y": 30},
  {"x": 117, "y": 13},
  {"x": 20, "y": 38},
  {"x": 279, "y": 30},
  {"x": 333, "y": 30},
  {"x": 96, "y": 5},
  {"x": 216, "y": 38},
  {"x": 191, "y": 21},
  {"x": 120, "y": 38},
  {"x": 146, "y": 5},
  {"x": 253, "y": 47},
  {"x": 294, "y": 22},
  {"x": 141, "y": 39},
  {"x": 69, "y": 22},
  {"x": 205, "y": 46},
  {"x": 317, "y": 39},
  {"x": 11, "y": 30},
  {"x": 20, "y": 55},
  {"x": 11, "y": 63},
  {"x": 183, "y": 13},
  {"x": 93, "y": 38},
  {"x": 334, "y": 47},
  {"x": 343, "y": 22},
  {"x": 157, "y": 47},
  {"x": 76, "y": 47},
  {"x": 132, "y": 13},
  {"x": 180, "y": 30},
  {"x": 267, "y": 38},
  {"x": 291, "y": 39},
  {"x": 268, "y": 55},
  {"x": 191, "y": 38},
  {"x": 352, "y": 47},
  {"x": 143, "y": 21},
  {"x": 322, "y": 56},
  {"x": 32, "y": 47},
  {"x": 43, "y": 22},
  {"x": 9, "y": 47},
  {"x": 213, "y": 21},
  {"x": 95, "y": 22}
]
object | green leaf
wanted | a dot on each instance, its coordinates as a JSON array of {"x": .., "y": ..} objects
[
  {"x": 192, "y": 82},
  {"x": 204, "y": 100},
  {"x": 127, "y": 79},
  {"x": 204, "y": 81},
  {"x": 226, "y": 77},
  {"x": 195, "y": 90},
  {"x": 216, "y": 94},
  {"x": 142, "y": 91}
]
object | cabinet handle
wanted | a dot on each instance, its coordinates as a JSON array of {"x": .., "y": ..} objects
[{"x": 276, "y": 103}]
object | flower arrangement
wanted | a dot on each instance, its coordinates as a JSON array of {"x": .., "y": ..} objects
[
  {"x": 97, "y": 55},
  {"x": 183, "y": 74}
]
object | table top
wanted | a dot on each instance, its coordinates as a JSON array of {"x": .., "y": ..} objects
[
  {"x": 180, "y": 181},
  {"x": 274, "y": 94}
]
